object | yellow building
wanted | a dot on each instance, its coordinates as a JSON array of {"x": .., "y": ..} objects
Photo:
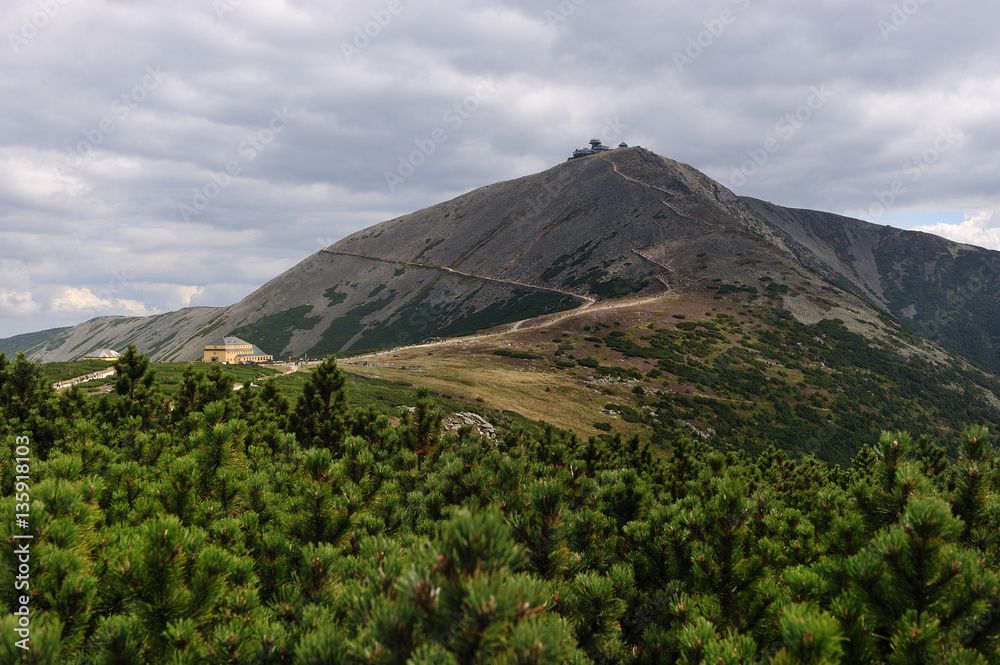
[{"x": 234, "y": 351}]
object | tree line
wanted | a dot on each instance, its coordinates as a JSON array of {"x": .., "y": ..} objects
[{"x": 224, "y": 526}]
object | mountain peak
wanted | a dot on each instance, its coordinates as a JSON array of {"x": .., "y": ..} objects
[{"x": 606, "y": 225}]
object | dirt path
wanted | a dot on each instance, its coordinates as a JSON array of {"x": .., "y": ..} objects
[
  {"x": 415, "y": 264},
  {"x": 93, "y": 376},
  {"x": 588, "y": 302},
  {"x": 712, "y": 225},
  {"x": 585, "y": 308}
]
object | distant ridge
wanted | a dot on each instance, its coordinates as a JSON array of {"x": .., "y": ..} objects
[{"x": 20, "y": 343}]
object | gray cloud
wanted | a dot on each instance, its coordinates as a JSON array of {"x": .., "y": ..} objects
[{"x": 114, "y": 115}]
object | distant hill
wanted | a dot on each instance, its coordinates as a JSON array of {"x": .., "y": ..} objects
[
  {"x": 608, "y": 226},
  {"x": 19, "y": 343}
]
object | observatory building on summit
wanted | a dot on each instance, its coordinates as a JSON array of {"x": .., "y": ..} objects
[{"x": 596, "y": 146}]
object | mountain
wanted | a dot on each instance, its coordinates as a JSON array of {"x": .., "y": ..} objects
[
  {"x": 945, "y": 291},
  {"x": 18, "y": 343},
  {"x": 603, "y": 227}
]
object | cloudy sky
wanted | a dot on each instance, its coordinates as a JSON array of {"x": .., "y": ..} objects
[{"x": 160, "y": 154}]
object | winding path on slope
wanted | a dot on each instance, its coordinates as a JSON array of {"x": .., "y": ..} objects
[
  {"x": 617, "y": 304},
  {"x": 587, "y": 300},
  {"x": 717, "y": 227}
]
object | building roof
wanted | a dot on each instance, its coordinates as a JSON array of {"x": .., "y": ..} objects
[
  {"x": 595, "y": 147},
  {"x": 103, "y": 354},
  {"x": 228, "y": 341},
  {"x": 256, "y": 351}
]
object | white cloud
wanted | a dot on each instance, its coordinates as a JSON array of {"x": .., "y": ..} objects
[
  {"x": 16, "y": 303},
  {"x": 978, "y": 229},
  {"x": 77, "y": 300},
  {"x": 83, "y": 301}
]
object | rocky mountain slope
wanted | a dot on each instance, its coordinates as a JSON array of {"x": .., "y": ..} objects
[
  {"x": 608, "y": 226},
  {"x": 12, "y": 345}
]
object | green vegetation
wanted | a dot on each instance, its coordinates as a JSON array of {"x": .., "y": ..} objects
[
  {"x": 62, "y": 371},
  {"x": 273, "y": 332},
  {"x": 516, "y": 354},
  {"x": 428, "y": 245},
  {"x": 609, "y": 288},
  {"x": 809, "y": 389},
  {"x": 212, "y": 326},
  {"x": 955, "y": 298},
  {"x": 334, "y": 296},
  {"x": 345, "y": 327},
  {"x": 776, "y": 288},
  {"x": 570, "y": 260},
  {"x": 622, "y": 373},
  {"x": 523, "y": 305},
  {"x": 168, "y": 375},
  {"x": 226, "y": 526},
  {"x": 725, "y": 289},
  {"x": 945, "y": 292},
  {"x": 386, "y": 396}
]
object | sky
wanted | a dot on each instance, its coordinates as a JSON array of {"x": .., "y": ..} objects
[{"x": 163, "y": 154}]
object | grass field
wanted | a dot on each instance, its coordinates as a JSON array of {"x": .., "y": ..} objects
[
  {"x": 469, "y": 370},
  {"x": 384, "y": 395},
  {"x": 168, "y": 375},
  {"x": 61, "y": 371},
  {"x": 387, "y": 395}
]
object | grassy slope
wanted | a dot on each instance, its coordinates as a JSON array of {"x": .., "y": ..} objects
[
  {"x": 61, "y": 371},
  {"x": 536, "y": 388},
  {"x": 736, "y": 369},
  {"x": 384, "y": 395}
]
